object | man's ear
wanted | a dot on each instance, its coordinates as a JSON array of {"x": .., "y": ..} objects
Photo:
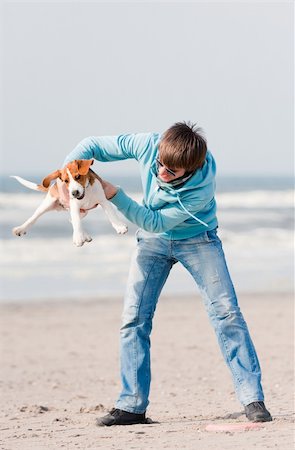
[
  {"x": 52, "y": 176},
  {"x": 84, "y": 165}
]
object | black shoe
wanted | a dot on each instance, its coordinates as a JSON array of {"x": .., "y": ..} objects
[
  {"x": 257, "y": 412},
  {"x": 120, "y": 417}
]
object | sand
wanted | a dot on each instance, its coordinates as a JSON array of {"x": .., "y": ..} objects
[{"x": 60, "y": 370}]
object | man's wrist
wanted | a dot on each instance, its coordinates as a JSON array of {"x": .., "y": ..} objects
[{"x": 113, "y": 193}]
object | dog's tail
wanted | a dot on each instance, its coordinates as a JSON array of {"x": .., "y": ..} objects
[{"x": 29, "y": 184}]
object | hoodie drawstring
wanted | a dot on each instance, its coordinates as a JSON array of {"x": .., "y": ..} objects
[{"x": 194, "y": 217}]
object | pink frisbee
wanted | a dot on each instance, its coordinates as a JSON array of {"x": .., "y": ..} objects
[{"x": 240, "y": 426}]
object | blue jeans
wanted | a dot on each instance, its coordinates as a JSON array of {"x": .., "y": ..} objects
[{"x": 203, "y": 257}]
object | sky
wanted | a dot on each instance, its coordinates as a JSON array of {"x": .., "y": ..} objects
[{"x": 75, "y": 69}]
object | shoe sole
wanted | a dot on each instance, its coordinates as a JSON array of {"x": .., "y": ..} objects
[{"x": 101, "y": 424}]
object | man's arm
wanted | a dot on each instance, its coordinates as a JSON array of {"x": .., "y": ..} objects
[
  {"x": 154, "y": 221},
  {"x": 113, "y": 148}
]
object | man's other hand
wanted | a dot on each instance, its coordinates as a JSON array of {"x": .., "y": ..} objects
[{"x": 109, "y": 189}]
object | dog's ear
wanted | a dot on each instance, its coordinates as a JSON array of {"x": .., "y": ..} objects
[
  {"x": 52, "y": 176},
  {"x": 84, "y": 165}
]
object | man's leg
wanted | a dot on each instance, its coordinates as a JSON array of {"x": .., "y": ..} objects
[
  {"x": 150, "y": 267},
  {"x": 203, "y": 257}
]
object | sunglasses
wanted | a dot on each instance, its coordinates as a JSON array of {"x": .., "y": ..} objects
[{"x": 166, "y": 168}]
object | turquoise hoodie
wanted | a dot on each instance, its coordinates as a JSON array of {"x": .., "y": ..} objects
[{"x": 174, "y": 213}]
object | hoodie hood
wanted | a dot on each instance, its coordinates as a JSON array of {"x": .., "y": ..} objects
[
  {"x": 200, "y": 179},
  {"x": 203, "y": 181}
]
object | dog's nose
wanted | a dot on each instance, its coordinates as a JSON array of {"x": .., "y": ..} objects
[{"x": 75, "y": 194}]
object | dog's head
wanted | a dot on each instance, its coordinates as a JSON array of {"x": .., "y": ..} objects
[{"x": 74, "y": 175}]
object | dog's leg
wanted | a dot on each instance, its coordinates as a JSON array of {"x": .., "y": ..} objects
[
  {"x": 79, "y": 236},
  {"x": 83, "y": 214},
  {"x": 108, "y": 208},
  {"x": 110, "y": 211},
  {"x": 48, "y": 204}
]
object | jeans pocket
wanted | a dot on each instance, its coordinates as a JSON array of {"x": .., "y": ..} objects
[
  {"x": 137, "y": 234},
  {"x": 211, "y": 235}
]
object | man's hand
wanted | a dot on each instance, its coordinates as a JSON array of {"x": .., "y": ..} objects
[{"x": 109, "y": 189}]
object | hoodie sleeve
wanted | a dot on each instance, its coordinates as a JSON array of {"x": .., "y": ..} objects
[
  {"x": 154, "y": 221},
  {"x": 113, "y": 148}
]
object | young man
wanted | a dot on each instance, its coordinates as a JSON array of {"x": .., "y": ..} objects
[{"x": 177, "y": 223}]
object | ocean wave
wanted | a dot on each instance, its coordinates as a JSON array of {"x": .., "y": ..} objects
[
  {"x": 106, "y": 248},
  {"x": 256, "y": 199},
  {"x": 260, "y": 260},
  {"x": 249, "y": 199}
]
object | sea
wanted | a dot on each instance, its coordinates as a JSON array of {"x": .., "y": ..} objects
[{"x": 256, "y": 224}]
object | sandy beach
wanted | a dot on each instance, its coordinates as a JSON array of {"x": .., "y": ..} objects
[{"x": 60, "y": 370}]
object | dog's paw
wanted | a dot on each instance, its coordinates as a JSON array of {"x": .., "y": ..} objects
[
  {"x": 19, "y": 231},
  {"x": 80, "y": 239},
  {"x": 121, "y": 229}
]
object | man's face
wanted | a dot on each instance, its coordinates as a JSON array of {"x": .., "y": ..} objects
[{"x": 166, "y": 174}]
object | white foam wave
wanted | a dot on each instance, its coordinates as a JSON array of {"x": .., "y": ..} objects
[
  {"x": 20, "y": 201},
  {"x": 260, "y": 256},
  {"x": 249, "y": 199},
  {"x": 103, "y": 249},
  {"x": 256, "y": 199},
  {"x": 258, "y": 240},
  {"x": 42, "y": 268}
]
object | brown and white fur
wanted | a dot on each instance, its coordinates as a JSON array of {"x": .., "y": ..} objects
[{"x": 77, "y": 189}]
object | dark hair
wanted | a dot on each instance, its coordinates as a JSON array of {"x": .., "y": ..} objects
[{"x": 182, "y": 146}]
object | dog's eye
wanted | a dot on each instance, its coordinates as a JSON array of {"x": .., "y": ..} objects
[
  {"x": 66, "y": 181},
  {"x": 77, "y": 177}
]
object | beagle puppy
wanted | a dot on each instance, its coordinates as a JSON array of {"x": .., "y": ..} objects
[{"x": 77, "y": 189}]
